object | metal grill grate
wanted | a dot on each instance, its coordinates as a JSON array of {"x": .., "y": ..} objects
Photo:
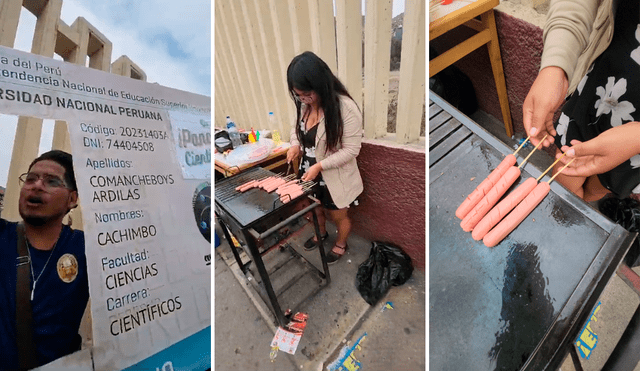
[{"x": 226, "y": 189}]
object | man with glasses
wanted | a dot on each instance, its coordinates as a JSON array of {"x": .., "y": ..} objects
[{"x": 42, "y": 269}]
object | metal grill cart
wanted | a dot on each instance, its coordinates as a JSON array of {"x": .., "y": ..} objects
[
  {"x": 258, "y": 219},
  {"x": 521, "y": 304}
]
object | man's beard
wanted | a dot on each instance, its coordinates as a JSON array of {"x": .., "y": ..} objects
[{"x": 36, "y": 221}]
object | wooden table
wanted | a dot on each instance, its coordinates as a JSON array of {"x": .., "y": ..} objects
[
  {"x": 276, "y": 159},
  {"x": 487, "y": 34},
  {"x": 521, "y": 304}
]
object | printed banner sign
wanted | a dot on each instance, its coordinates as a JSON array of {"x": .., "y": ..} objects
[
  {"x": 142, "y": 157},
  {"x": 193, "y": 144}
]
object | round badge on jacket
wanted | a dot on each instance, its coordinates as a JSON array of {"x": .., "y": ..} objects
[{"x": 67, "y": 268}]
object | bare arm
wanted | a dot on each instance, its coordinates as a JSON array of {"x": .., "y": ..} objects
[{"x": 604, "y": 152}]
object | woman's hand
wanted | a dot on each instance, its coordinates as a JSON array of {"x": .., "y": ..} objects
[
  {"x": 292, "y": 153},
  {"x": 604, "y": 152},
  {"x": 545, "y": 97},
  {"x": 312, "y": 173}
]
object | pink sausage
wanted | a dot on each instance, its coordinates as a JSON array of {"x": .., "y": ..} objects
[
  {"x": 268, "y": 182},
  {"x": 490, "y": 199},
  {"x": 511, "y": 221},
  {"x": 293, "y": 192},
  {"x": 499, "y": 211},
  {"x": 289, "y": 188},
  {"x": 238, "y": 188},
  {"x": 295, "y": 181},
  {"x": 285, "y": 197},
  {"x": 248, "y": 186},
  {"x": 272, "y": 187},
  {"x": 260, "y": 183},
  {"x": 485, "y": 186}
]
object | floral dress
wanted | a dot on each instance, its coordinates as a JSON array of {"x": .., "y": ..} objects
[{"x": 609, "y": 96}]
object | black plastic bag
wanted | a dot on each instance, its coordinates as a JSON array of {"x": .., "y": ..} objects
[
  {"x": 625, "y": 212},
  {"x": 387, "y": 265}
]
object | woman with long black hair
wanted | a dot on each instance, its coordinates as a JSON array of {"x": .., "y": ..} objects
[{"x": 327, "y": 134}]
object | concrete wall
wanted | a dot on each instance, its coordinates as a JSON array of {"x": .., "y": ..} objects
[{"x": 393, "y": 204}]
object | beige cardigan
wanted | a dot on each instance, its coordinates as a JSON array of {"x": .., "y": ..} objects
[
  {"x": 339, "y": 169},
  {"x": 575, "y": 34}
]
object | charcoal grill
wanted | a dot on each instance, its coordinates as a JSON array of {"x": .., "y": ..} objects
[{"x": 254, "y": 215}]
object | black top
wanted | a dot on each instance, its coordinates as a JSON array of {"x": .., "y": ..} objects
[
  {"x": 57, "y": 305},
  {"x": 308, "y": 143}
]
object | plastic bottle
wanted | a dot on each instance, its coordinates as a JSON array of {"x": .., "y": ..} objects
[
  {"x": 272, "y": 121},
  {"x": 273, "y": 127},
  {"x": 234, "y": 135}
]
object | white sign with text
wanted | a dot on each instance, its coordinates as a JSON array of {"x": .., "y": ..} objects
[{"x": 142, "y": 156}]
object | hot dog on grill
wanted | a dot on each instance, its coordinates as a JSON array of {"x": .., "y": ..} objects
[
  {"x": 502, "y": 208},
  {"x": 268, "y": 182},
  {"x": 290, "y": 196},
  {"x": 263, "y": 181},
  {"x": 289, "y": 188},
  {"x": 490, "y": 199},
  {"x": 511, "y": 221},
  {"x": 247, "y": 186},
  {"x": 472, "y": 200},
  {"x": 291, "y": 182},
  {"x": 275, "y": 184}
]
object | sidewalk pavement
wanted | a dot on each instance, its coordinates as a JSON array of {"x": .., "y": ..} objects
[{"x": 389, "y": 334}]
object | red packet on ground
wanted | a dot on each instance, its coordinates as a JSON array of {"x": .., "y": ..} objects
[{"x": 296, "y": 327}]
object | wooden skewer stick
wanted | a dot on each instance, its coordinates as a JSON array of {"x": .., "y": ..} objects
[
  {"x": 261, "y": 179},
  {"x": 536, "y": 147},
  {"x": 308, "y": 186},
  {"x": 551, "y": 180},
  {"x": 551, "y": 167},
  {"x": 256, "y": 180}
]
